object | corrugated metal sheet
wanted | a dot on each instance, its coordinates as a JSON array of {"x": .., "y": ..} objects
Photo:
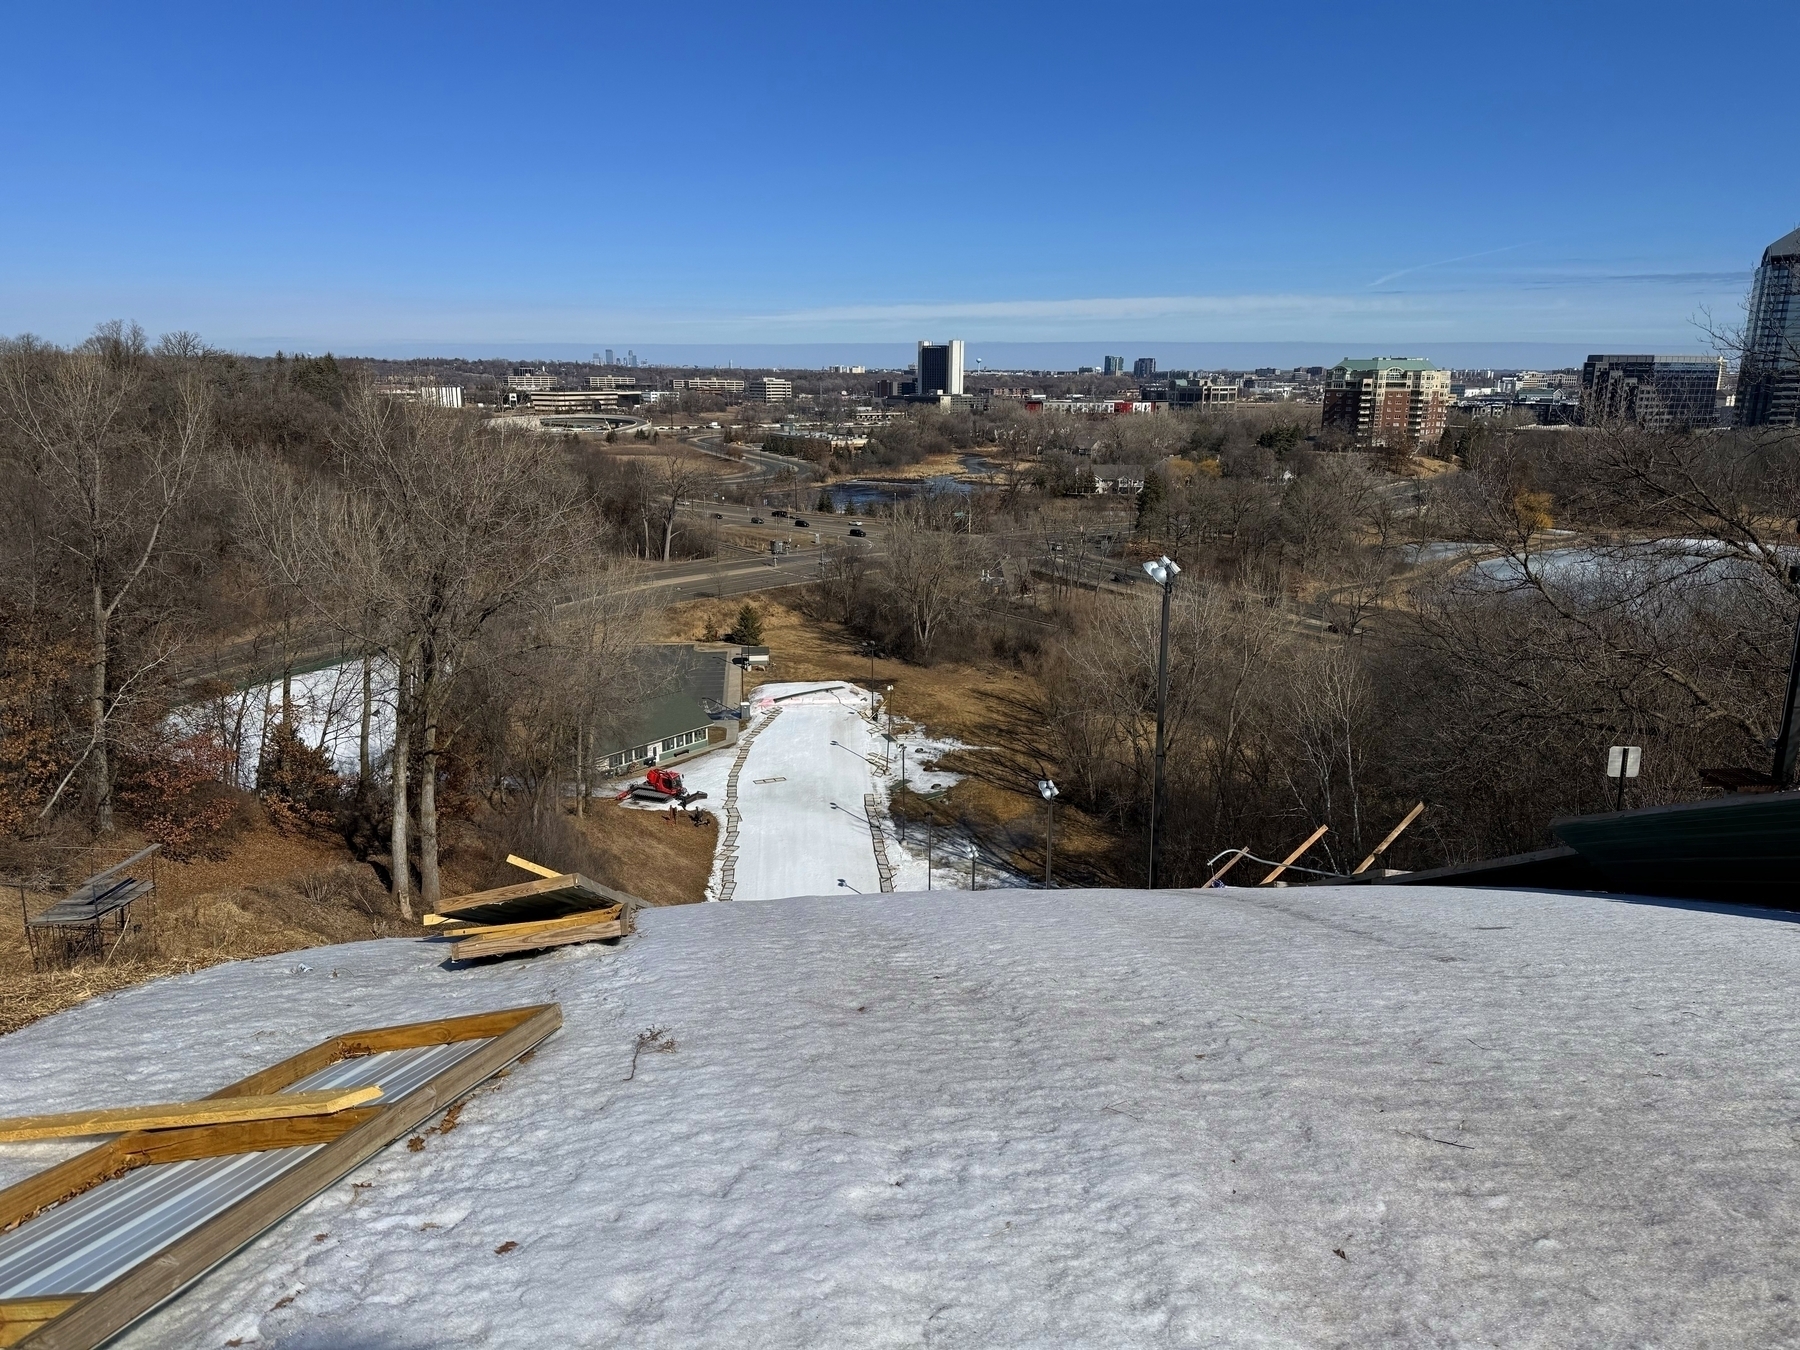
[
  {"x": 398, "y": 1072},
  {"x": 82, "y": 1244}
]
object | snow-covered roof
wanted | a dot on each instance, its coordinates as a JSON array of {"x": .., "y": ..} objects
[{"x": 1307, "y": 1117}]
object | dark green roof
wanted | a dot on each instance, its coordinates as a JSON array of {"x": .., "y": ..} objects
[{"x": 661, "y": 718}]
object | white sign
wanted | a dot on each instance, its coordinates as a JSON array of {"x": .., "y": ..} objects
[{"x": 1622, "y": 761}]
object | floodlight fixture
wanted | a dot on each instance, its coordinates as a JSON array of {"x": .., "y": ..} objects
[{"x": 1046, "y": 789}]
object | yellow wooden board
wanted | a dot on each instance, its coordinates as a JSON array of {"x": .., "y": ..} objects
[
  {"x": 530, "y": 866},
  {"x": 470, "y": 948},
  {"x": 19, "y": 1317},
  {"x": 534, "y": 926},
  {"x": 175, "y": 1115}
]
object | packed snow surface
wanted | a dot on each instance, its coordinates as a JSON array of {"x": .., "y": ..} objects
[
  {"x": 803, "y": 790},
  {"x": 1317, "y": 1117}
]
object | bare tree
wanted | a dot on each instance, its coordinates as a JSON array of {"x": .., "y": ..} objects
[
  {"x": 111, "y": 483},
  {"x": 930, "y": 574}
]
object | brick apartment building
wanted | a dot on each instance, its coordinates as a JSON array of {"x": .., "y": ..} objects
[{"x": 1387, "y": 400}]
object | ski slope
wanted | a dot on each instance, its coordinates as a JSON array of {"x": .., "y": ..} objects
[
  {"x": 1313, "y": 1117},
  {"x": 802, "y": 794}
]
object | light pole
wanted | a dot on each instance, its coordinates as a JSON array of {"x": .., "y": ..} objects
[
  {"x": 1047, "y": 790},
  {"x": 1163, "y": 572}
]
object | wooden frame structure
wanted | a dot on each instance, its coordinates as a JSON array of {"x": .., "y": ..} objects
[
  {"x": 557, "y": 909},
  {"x": 327, "y": 1147}
]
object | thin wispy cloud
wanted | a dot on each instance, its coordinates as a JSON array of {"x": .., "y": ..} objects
[{"x": 1445, "y": 262}]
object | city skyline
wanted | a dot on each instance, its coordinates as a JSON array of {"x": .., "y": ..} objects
[{"x": 434, "y": 186}]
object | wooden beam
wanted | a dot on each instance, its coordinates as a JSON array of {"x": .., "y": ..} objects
[
  {"x": 1393, "y": 834},
  {"x": 536, "y": 925},
  {"x": 442, "y": 1031},
  {"x": 433, "y": 920},
  {"x": 172, "y": 1115},
  {"x": 102, "y": 1314},
  {"x": 1230, "y": 863},
  {"x": 545, "y": 898},
  {"x": 523, "y": 890},
  {"x": 475, "y": 947},
  {"x": 19, "y": 1317},
  {"x": 1294, "y": 857},
  {"x": 530, "y": 866},
  {"x": 64, "y": 1181},
  {"x": 251, "y": 1136}
]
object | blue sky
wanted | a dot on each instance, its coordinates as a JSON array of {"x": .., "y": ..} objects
[{"x": 389, "y": 178}]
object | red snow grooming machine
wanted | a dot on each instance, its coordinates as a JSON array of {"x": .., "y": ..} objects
[{"x": 660, "y": 785}]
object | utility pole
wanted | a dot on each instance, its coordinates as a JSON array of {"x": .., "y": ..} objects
[
  {"x": 1163, "y": 572},
  {"x": 1046, "y": 790}
]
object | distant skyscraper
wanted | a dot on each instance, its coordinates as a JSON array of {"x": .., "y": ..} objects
[
  {"x": 1113, "y": 365},
  {"x": 1768, "y": 387},
  {"x": 1657, "y": 393},
  {"x": 941, "y": 367},
  {"x": 1144, "y": 368},
  {"x": 609, "y": 359}
]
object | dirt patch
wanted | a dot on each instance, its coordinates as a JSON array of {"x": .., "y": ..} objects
[{"x": 646, "y": 855}]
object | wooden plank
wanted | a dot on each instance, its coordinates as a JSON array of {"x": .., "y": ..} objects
[
  {"x": 70, "y": 1177},
  {"x": 433, "y": 920},
  {"x": 19, "y": 1317},
  {"x": 251, "y": 1136},
  {"x": 1392, "y": 835},
  {"x": 526, "y": 942},
  {"x": 536, "y": 925},
  {"x": 545, "y": 898},
  {"x": 1294, "y": 857},
  {"x": 521, "y": 890},
  {"x": 530, "y": 866},
  {"x": 116, "y": 1306},
  {"x": 441, "y": 1031},
  {"x": 172, "y": 1115}
]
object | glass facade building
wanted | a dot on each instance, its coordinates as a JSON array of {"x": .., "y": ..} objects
[
  {"x": 1657, "y": 393},
  {"x": 1768, "y": 390}
]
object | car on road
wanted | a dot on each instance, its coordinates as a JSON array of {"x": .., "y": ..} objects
[
  {"x": 778, "y": 512},
  {"x": 1125, "y": 578},
  {"x": 756, "y": 520},
  {"x": 799, "y": 523},
  {"x": 858, "y": 534},
  {"x": 718, "y": 515}
]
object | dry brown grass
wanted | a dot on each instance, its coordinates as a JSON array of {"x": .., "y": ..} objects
[
  {"x": 991, "y": 705},
  {"x": 275, "y": 893},
  {"x": 647, "y": 856}
]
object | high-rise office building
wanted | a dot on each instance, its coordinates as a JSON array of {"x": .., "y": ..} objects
[
  {"x": 941, "y": 367},
  {"x": 1768, "y": 387},
  {"x": 1657, "y": 393},
  {"x": 1387, "y": 400},
  {"x": 770, "y": 389},
  {"x": 1112, "y": 365},
  {"x": 1144, "y": 368}
]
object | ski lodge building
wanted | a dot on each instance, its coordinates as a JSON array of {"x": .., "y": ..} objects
[{"x": 692, "y": 700}]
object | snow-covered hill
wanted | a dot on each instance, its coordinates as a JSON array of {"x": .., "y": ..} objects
[{"x": 1234, "y": 1118}]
